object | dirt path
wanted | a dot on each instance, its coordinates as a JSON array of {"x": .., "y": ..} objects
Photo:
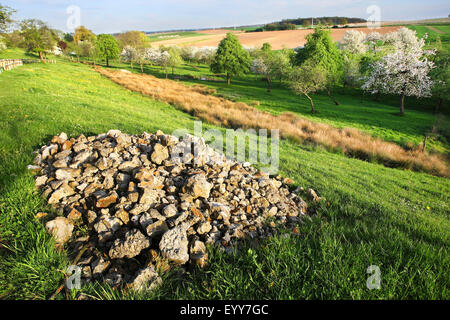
[{"x": 435, "y": 30}]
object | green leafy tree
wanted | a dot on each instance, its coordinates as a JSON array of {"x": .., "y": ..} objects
[
  {"x": 38, "y": 37},
  {"x": 441, "y": 77},
  {"x": 271, "y": 65},
  {"x": 266, "y": 48},
  {"x": 231, "y": 58},
  {"x": 174, "y": 59},
  {"x": 107, "y": 47},
  {"x": 84, "y": 34},
  {"x": 68, "y": 37},
  {"x": 5, "y": 18},
  {"x": 135, "y": 39},
  {"x": 307, "y": 79},
  {"x": 321, "y": 50},
  {"x": 306, "y": 24}
]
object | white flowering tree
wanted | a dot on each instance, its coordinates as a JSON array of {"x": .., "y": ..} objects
[
  {"x": 129, "y": 54},
  {"x": 205, "y": 54},
  {"x": 152, "y": 55},
  {"x": 262, "y": 67},
  {"x": 372, "y": 40},
  {"x": 141, "y": 57},
  {"x": 271, "y": 65},
  {"x": 57, "y": 51},
  {"x": 163, "y": 61},
  {"x": 404, "y": 39},
  {"x": 354, "y": 42},
  {"x": 188, "y": 53},
  {"x": 404, "y": 72},
  {"x": 160, "y": 58}
]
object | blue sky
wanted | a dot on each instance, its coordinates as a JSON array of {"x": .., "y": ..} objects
[{"x": 116, "y": 16}]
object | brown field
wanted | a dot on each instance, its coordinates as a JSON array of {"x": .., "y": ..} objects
[
  {"x": 278, "y": 39},
  {"x": 199, "y": 101}
]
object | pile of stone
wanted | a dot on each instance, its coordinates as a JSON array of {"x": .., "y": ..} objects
[{"x": 132, "y": 206}]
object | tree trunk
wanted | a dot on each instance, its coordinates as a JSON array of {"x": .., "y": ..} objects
[
  {"x": 424, "y": 147},
  {"x": 332, "y": 97},
  {"x": 268, "y": 85},
  {"x": 228, "y": 79},
  {"x": 40, "y": 57},
  {"x": 311, "y": 102},
  {"x": 377, "y": 97},
  {"x": 131, "y": 64},
  {"x": 107, "y": 62},
  {"x": 402, "y": 105},
  {"x": 165, "y": 70},
  {"x": 142, "y": 68},
  {"x": 438, "y": 105}
]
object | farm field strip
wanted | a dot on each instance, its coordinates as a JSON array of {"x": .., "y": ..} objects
[{"x": 278, "y": 39}]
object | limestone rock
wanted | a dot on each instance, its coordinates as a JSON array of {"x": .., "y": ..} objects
[
  {"x": 174, "y": 244},
  {"x": 146, "y": 279},
  {"x": 132, "y": 244},
  {"x": 199, "y": 186},
  {"x": 60, "y": 228}
]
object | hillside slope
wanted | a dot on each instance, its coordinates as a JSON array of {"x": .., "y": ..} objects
[{"x": 397, "y": 220}]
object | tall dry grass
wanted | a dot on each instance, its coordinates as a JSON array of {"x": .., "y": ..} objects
[{"x": 198, "y": 101}]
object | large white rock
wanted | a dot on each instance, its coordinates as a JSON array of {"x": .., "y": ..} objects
[{"x": 60, "y": 228}]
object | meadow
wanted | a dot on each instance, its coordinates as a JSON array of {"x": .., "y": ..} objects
[
  {"x": 373, "y": 215},
  {"x": 356, "y": 109}
]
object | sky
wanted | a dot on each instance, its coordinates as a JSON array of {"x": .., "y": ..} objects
[{"x": 109, "y": 16}]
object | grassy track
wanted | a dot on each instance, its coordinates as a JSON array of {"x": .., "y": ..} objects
[{"x": 373, "y": 215}]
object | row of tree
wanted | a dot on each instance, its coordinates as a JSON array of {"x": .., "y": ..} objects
[{"x": 396, "y": 63}]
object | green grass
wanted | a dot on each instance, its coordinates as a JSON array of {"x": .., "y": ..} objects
[
  {"x": 432, "y": 34},
  {"x": 372, "y": 215},
  {"x": 174, "y": 35},
  {"x": 356, "y": 110},
  {"x": 16, "y": 53}
]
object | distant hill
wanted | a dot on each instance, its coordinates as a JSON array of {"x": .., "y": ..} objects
[
  {"x": 323, "y": 20},
  {"x": 285, "y": 24}
]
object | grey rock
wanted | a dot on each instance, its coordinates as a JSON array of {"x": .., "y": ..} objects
[
  {"x": 146, "y": 279},
  {"x": 130, "y": 246},
  {"x": 174, "y": 244},
  {"x": 156, "y": 229}
]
